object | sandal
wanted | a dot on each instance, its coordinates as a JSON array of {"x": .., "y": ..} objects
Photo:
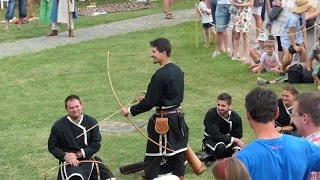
[{"x": 169, "y": 16}]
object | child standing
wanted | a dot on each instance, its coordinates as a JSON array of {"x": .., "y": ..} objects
[
  {"x": 207, "y": 22},
  {"x": 269, "y": 61}
]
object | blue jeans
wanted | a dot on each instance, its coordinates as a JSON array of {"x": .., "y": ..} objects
[{"x": 22, "y": 9}]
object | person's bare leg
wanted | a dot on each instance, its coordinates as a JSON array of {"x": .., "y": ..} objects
[
  {"x": 258, "y": 20},
  {"x": 171, "y": 2},
  {"x": 219, "y": 38},
  {"x": 20, "y": 23},
  {"x": 206, "y": 31},
  {"x": 309, "y": 64},
  {"x": 213, "y": 31},
  {"x": 281, "y": 56},
  {"x": 287, "y": 59},
  {"x": 246, "y": 45},
  {"x": 226, "y": 38},
  {"x": 255, "y": 69},
  {"x": 7, "y": 25},
  {"x": 303, "y": 54},
  {"x": 166, "y": 6},
  {"x": 253, "y": 66},
  {"x": 236, "y": 43}
]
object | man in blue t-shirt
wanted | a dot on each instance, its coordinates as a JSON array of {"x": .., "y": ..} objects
[{"x": 273, "y": 155}]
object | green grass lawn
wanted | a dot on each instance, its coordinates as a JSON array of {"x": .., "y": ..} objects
[
  {"x": 36, "y": 28},
  {"x": 35, "y": 85}
]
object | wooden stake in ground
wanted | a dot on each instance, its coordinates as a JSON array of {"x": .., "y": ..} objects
[
  {"x": 29, "y": 9},
  {"x": 241, "y": 35},
  {"x": 315, "y": 36},
  {"x": 69, "y": 20},
  {"x": 197, "y": 17},
  {"x": 314, "y": 47}
]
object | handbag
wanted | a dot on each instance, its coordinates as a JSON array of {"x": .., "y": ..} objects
[
  {"x": 295, "y": 74},
  {"x": 307, "y": 77},
  {"x": 258, "y": 3},
  {"x": 275, "y": 12},
  {"x": 310, "y": 22}
]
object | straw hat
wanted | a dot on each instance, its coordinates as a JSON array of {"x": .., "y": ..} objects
[{"x": 302, "y": 6}]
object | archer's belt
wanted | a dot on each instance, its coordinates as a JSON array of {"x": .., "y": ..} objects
[{"x": 163, "y": 112}]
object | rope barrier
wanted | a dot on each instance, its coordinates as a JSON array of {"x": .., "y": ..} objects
[
  {"x": 210, "y": 22},
  {"x": 257, "y": 27},
  {"x": 281, "y": 35}
]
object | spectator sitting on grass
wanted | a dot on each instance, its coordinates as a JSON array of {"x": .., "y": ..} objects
[
  {"x": 281, "y": 79},
  {"x": 257, "y": 50},
  {"x": 283, "y": 123},
  {"x": 269, "y": 61}
]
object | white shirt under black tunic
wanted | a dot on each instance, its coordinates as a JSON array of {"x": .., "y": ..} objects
[
  {"x": 165, "y": 91},
  {"x": 63, "y": 139},
  {"x": 218, "y": 129}
]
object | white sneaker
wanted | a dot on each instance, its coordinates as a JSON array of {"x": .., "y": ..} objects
[
  {"x": 215, "y": 54},
  {"x": 244, "y": 59},
  {"x": 234, "y": 58},
  {"x": 261, "y": 81}
]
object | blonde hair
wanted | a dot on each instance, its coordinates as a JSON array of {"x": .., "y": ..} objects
[
  {"x": 269, "y": 44},
  {"x": 230, "y": 169}
]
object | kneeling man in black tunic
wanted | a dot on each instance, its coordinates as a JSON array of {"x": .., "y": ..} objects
[
  {"x": 223, "y": 130},
  {"x": 165, "y": 93},
  {"x": 64, "y": 145}
]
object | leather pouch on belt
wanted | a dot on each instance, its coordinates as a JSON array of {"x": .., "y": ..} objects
[{"x": 162, "y": 125}]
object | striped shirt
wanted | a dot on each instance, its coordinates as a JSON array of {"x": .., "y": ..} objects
[{"x": 315, "y": 138}]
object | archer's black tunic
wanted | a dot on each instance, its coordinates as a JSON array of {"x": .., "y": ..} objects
[
  {"x": 63, "y": 139},
  {"x": 219, "y": 130},
  {"x": 165, "y": 91}
]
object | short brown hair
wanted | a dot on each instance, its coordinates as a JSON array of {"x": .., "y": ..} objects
[
  {"x": 269, "y": 44},
  {"x": 230, "y": 169},
  {"x": 71, "y": 98},
  {"x": 309, "y": 103}
]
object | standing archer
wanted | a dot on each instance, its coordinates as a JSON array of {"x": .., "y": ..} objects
[{"x": 165, "y": 92}]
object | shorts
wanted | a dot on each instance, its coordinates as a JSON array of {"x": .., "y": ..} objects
[
  {"x": 207, "y": 25},
  {"x": 222, "y": 17},
  {"x": 256, "y": 10},
  {"x": 316, "y": 70}
]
